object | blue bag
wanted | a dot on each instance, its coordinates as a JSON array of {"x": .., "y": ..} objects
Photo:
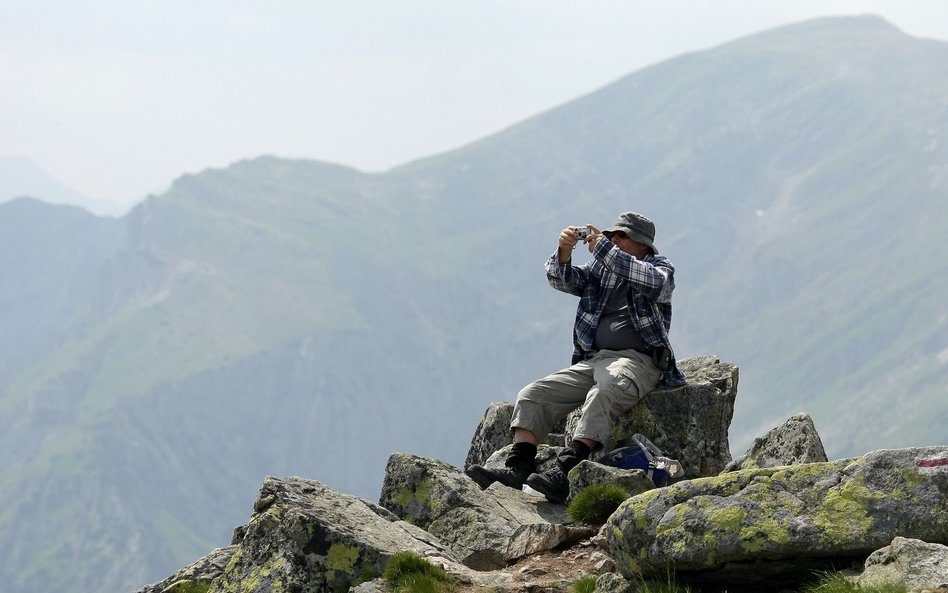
[{"x": 641, "y": 454}]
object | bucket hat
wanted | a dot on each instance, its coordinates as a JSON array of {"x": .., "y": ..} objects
[{"x": 636, "y": 227}]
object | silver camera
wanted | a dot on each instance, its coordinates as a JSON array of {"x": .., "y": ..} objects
[{"x": 582, "y": 232}]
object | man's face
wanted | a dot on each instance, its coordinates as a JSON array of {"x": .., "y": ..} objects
[{"x": 623, "y": 242}]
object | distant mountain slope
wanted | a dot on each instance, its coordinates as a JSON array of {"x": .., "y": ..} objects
[
  {"x": 20, "y": 177},
  {"x": 49, "y": 262},
  {"x": 293, "y": 317},
  {"x": 785, "y": 170}
]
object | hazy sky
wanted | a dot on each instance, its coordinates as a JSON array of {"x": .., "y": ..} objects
[{"x": 117, "y": 98}]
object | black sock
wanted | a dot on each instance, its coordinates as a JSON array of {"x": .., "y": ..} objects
[
  {"x": 581, "y": 448},
  {"x": 522, "y": 454},
  {"x": 572, "y": 455}
]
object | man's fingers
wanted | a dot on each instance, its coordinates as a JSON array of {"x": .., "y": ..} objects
[{"x": 568, "y": 237}]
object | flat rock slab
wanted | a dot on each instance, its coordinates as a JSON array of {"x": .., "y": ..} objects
[
  {"x": 486, "y": 529},
  {"x": 734, "y": 524}
]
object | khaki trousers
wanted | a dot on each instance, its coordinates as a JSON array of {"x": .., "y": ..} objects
[{"x": 610, "y": 382}]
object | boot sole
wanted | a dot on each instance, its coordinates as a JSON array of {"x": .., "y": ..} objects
[{"x": 541, "y": 485}]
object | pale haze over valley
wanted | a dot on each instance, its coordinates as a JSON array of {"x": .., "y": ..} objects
[{"x": 116, "y": 100}]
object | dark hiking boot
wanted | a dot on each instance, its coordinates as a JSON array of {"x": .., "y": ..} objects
[
  {"x": 513, "y": 477},
  {"x": 552, "y": 484},
  {"x": 520, "y": 463}
]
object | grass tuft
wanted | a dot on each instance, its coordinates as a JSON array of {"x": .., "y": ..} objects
[
  {"x": 596, "y": 503},
  {"x": 407, "y": 572},
  {"x": 667, "y": 585},
  {"x": 587, "y": 584},
  {"x": 836, "y": 583}
]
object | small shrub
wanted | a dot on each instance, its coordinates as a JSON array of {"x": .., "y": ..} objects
[
  {"x": 407, "y": 572},
  {"x": 595, "y": 503},
  {"x": 836, "y": 583}
]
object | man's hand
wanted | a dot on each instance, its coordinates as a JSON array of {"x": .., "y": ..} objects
[
  {"x": 594, "y": 236},
  {"x": 568, "y": 242}
]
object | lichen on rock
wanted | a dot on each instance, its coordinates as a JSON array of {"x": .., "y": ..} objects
[
  {"x": 788, "y": 514},
  {"x": 309, "y": 537}
]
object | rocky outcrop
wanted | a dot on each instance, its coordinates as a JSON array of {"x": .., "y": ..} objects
[
  {"x": 912, "y": 563},
  {"x": 689, "y": 423},
  {"x": 196, "y": 577},
  {"x": 795, "y": 441},
  {"x": 485, "y": 529},
  {"x": 747, "y": 524},
  {"x": 305, "y": 536},
  {"x": 782, "y": 510}
]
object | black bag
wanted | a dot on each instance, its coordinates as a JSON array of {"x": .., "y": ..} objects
[{"x": 641, "y": 454}]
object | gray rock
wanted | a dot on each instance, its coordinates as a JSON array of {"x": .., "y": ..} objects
[
  {"x": 688, "y": 423},
  {"x": 611, "y": 582},
  {"x": 303, "y": 535},
  {"x": 373, "y": 586},
  {"x": 795, "y": 441},
  {"x": 778, "y": 521},
  {"x": 485, "y": 529},
  {"x": 493, "y": 434},
  {"x": 587, "y": 473},
  {"x": 910, "y": 562},
  {"x": 202, "y": 572}
]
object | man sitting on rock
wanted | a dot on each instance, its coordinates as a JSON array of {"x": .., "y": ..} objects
[{"x": 621, "y": 350}]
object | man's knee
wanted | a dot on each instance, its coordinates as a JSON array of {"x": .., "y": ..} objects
[{"x": 531, "y": 392}]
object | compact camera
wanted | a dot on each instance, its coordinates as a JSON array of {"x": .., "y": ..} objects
[{"x": 582, "y": 232}]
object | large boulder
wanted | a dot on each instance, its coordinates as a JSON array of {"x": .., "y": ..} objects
[
  {"x": 778, "y": 521},
  {"x": 912, "y": 563},
  {"x": 795, "y": 441},
  {"x": 304, "y": 536},
  {"x": 688, "y": 423},
  {"x": 486, "y": 529}
]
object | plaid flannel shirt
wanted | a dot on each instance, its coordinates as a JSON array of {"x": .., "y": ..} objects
[{"x": 651, "y": 282}]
